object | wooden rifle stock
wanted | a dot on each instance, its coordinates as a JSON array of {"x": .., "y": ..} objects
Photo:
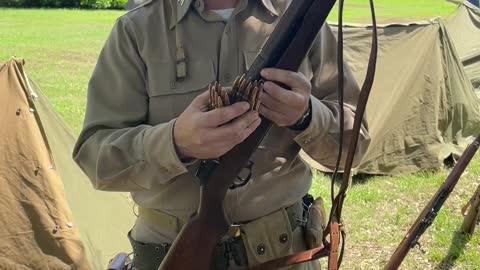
[
  {"x": 471, "y": 211},
  {"x": 286, "y": 48},
  {"x": 431, "y": 210}
]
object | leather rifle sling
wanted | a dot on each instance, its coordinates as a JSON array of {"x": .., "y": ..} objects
[
  {"x": 334, "y": 228},
  {"x": 337, "y": 204}
]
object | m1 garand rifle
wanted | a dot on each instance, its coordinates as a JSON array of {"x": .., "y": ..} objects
[
  {"x": 285, "y": 49},
  {"x": 430, "y": 212},
  {"x": 471, "y": 212}
]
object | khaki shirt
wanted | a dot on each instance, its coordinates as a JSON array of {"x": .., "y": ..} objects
[{"x": 134, "y": 97}]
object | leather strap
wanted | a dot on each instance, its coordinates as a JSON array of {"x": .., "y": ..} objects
[
  {"x": 337, "y": 204},
  {"x": 334, "y": 227},
  {"x": 335, "y": 242},
  {"x": 300, "y": 257}
]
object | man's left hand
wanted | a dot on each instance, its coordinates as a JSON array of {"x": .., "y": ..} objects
[{"x": 283, "y": 107}]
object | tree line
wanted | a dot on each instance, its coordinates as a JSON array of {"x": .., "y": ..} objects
[{"x": 89, "y": 4}]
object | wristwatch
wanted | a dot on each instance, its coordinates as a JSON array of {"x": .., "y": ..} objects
[{"x": 304, "y": 121}]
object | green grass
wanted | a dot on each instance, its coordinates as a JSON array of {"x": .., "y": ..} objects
[
  {"x": 61, "y": 47},
  {"x": 358, "y": 11},
  {"x": 380, "y": 210}
]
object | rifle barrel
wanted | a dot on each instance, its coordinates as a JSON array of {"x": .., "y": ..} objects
[{"x": 429, "y": 213}]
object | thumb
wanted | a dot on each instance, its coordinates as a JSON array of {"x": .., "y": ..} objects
[{"x": 200, "y": 103}]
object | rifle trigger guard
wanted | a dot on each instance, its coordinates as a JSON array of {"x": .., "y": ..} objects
[{"x": 239, "y": 181}]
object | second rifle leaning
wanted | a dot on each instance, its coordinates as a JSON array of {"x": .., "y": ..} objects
[
  {"x": 430, "y": 212},
  {"x": 471, "y": 211}
]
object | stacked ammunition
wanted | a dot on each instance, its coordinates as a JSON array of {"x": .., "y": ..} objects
[{"x": 242, "y": 90}]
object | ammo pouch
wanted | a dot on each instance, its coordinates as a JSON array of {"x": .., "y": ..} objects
[
  {"x": 316, "y": 223},
  {"x": 261, "y": 240},
  {"x": 271, "y": 236}
]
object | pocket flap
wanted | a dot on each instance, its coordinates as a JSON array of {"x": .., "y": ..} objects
[
  {"x": 267, "y": 238},
  {"x": 199, "y": 73}
]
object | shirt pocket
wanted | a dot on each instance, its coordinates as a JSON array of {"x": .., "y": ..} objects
[
  {"x": 162, "y": 77},
  {"x": 169, "y": 96}
]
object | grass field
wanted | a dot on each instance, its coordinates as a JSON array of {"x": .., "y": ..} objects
[
  {"x": 387, "y": 11},
  {"x": 61, "y": 47}
]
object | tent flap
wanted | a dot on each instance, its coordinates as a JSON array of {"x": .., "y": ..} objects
[
  {"x": 464, "y": 28},
  {"x": 36, "y": 222},
  {"x": 51, "y": 215},
  {"x": 422, "y": 107}
]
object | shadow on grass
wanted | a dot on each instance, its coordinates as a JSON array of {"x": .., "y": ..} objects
[
  {"x": 358, "y": 179},
  {"x": 361, "y": 178},
  {"x": 456, "y": 249}
]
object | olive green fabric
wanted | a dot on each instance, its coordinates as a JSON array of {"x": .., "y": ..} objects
[
  {"x": 422, "y": 107},
  {"x": 100, "y": 220},
  {"x": 464, "y": 28}
]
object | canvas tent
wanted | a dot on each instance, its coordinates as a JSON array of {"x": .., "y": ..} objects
[
  {"x": 464, "y": 28},
  {"x": 51, "y": 217},
  {"x": 422, "y": 107}
]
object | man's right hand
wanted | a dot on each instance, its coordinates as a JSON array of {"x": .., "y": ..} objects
[{"x": 203, "y": 134}]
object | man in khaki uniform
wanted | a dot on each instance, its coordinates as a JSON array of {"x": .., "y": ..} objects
[{"x": 147, "y": 126}]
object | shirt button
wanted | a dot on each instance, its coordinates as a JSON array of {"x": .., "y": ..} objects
[
  {"x": 283, "y": 238},
  {"x": 173, "y": 84},
  {"x": 261, "y": 249}
]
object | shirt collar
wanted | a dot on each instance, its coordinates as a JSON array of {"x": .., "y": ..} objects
[{"x": 180, "y": 7}]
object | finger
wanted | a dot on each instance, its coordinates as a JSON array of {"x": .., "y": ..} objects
[
  {"x": 224, "y": 115},
  {"x": 276, "y": 105},
  {"x": 227, "y": 145},
  {"x": 201, "y": 100},
  {"x": 251, "y": 128},
  {"x": 295, "y": 80},
  {"x": 233, "y": 130},
  {"x": 273, "y": 116},
  {"x": 281, "y": 94}
]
